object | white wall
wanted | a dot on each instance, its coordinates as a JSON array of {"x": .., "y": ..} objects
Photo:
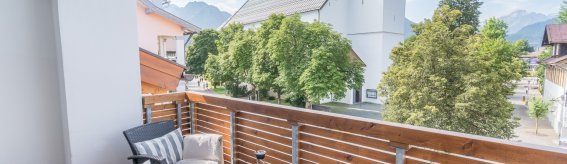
[
  {"x": 31, "y": 115},
  {"x": 101, "y": 78},
  {"x": 553, "y": 91},
  {"x": 374, "y": 27}
]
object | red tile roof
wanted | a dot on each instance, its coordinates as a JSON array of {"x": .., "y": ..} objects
[{"x": 555, "y": 33}]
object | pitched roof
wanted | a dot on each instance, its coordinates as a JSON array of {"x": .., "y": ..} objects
[
  {"x": 555, "y": 33},
  {"x": 161, "y": 58},
  {"x": 259, "y": 10},
  {"x": 556, "y": 60},
  {"x": 152, "y": 7}
]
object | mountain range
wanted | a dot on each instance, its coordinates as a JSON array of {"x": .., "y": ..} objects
[
  {"x": 522, "y": 25},
  {"x": 200, "y": 14},
  {"x": 522, "y": 18}
]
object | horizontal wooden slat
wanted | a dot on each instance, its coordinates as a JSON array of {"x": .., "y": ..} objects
[
  {"x": 209, "y": 125},
  {"x": 148, "y": 100},
  {"x": 264, "y": 135},
  {"x": 272, "y": 145},
  {"x": 317, "y": 158},
  {"x": 351, "y": 138},
  {"x": 269, "y": 152},
  {"x": 348, "y": 158},
  {"x": 351, "y": 149},
  {"x": 212, "y": 131},
  {"x": 266, "y": 120},
  {"x": 245, "y": 157},
  {"x": 212, "y": 120},
  {"x": 251, "y": 152},
  {"x": 439, "y": 157},
  {"x": 264, "y": 127},
  {"x": 214, "y": 115},
  {"x": 458, "y": 143},
  {"x": 213, "y": 108}
]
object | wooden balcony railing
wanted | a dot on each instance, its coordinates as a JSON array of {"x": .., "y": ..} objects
[{"x": 295, "y": 135}]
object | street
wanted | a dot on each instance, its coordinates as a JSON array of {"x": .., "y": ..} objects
[{"x": 526, "y": 132}]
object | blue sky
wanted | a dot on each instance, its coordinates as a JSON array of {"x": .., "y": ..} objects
[{"x": 417, "y": 10}]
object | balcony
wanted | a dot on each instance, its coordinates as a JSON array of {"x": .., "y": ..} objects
[{"x": 295, "y": 135}]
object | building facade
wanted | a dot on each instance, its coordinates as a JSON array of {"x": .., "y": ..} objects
[
  {"x": 555, "y": 86},
  {"x": 162, "y": 36},
  {"x": 374, "y": 27}
]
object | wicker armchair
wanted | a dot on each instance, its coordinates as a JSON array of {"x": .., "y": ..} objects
[
  {"x": 199, "y": 148},
  {"x": 147, "y": 132}
]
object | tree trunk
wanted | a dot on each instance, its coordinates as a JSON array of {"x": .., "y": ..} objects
[
  {"x": 536, "y": 126},
  {"x": 308, "y": 105},
  {"x": 279, "y": 98}
]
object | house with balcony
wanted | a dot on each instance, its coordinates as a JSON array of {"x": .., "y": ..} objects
[
  {"x": 555, "y": 86},
  {"x": 68, "y": 100},
  {"x": 162, "y": 40},
  {"x": 374, "y": 27}
]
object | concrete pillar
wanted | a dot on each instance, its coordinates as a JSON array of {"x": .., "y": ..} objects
[{"x": 99, "y": 75}]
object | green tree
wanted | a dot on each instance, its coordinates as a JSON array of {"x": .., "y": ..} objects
[
  {"x": 237, "y": 62},
  {"x": 444, "y": 78},
  {"x": 302, "y": 51},
  {"x": 538, "y": 109},
  {"x": 329, "y": 73},
  {"x": 264, "y": 68},
  {"x": 562, "y": 18},
  {"x": 469, "y": 12},
  {"x": 540, "y": 70},
  {"x": 494, "y": 28},
  {"x": 213, "y": 72},
  {"x": 198, "y": 52},
  {"x": 524, "y": 46},
  {"x": 219, "y": 68}
]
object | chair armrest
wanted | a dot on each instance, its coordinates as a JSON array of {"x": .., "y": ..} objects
[{"x": 143, "y": 158}]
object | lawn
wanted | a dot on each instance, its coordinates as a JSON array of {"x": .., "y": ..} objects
[{"x": 219, "y": 90}]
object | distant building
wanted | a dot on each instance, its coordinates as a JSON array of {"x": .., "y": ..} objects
[
  {"x": 162, "y": 38},
  {"x": 374, "y": 27},
  {"x": 555, "y": 87},
  {"x": 531, "y": 59}
]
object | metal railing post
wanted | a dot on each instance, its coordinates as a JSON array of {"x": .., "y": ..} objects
[
  {"x": 233, "y": 137},
  {"x": 192, "y": 115},
  {"x": 294, "y": 143},
  {"x": 178, "y": 110},
  {"x": 148, "y": 114},
  {"x": 400, "y": 155},
  {"x": 401, "y": 149}
]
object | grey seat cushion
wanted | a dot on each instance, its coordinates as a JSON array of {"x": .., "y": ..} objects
[{"x": 196, "y": 161}]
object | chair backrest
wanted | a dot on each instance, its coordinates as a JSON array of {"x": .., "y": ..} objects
[{"x": 148, "y": 132}]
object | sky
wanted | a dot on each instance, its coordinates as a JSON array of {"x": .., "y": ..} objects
[{"x": 417, "y": 10}]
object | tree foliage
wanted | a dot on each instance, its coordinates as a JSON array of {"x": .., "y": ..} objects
[
  {"x": 562, "y": 18},
  {"x": 264, "y": 67},
  {"x": 316, "y": 57},
  {"x": 538, "y": 109},
  {"x": 306, "y": 61},
  {"x": 231, "y": 67},
  {"x": 446, "y": 78},
  {"x": 198, "y": 52},
  {"x": 540, "y": 70},
  {"x": 469, "y": 12}
]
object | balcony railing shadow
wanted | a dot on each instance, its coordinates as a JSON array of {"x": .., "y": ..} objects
[{"x": 295, "y": 135}]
